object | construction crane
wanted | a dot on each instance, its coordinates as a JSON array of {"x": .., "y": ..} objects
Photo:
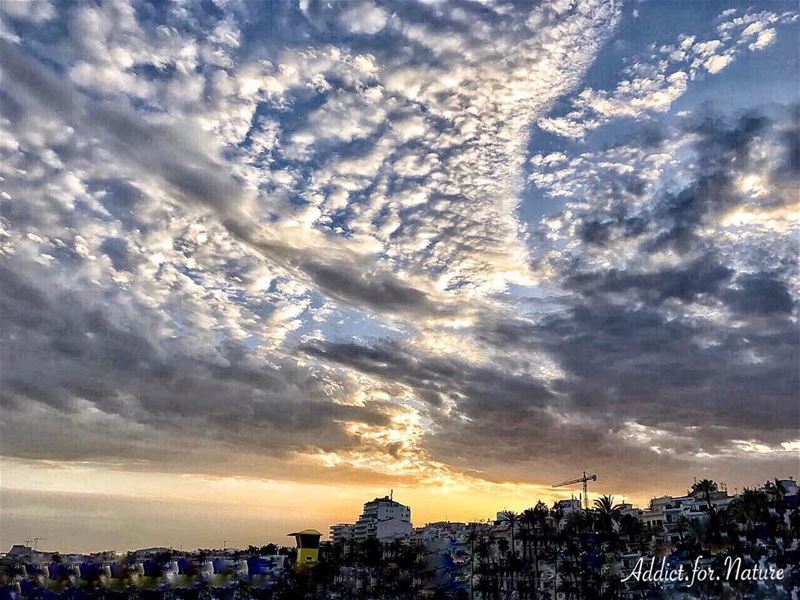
[{"x": 585, "y": 479}]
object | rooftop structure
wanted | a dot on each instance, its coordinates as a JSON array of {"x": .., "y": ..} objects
[{"x": 307, "y": 546}]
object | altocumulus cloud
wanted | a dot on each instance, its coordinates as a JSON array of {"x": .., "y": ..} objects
[{"x": 298, "y": 235}]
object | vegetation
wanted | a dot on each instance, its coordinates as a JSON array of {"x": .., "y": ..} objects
[{"x": 533, "y": 555}]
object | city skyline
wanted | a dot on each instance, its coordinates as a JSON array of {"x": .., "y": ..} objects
[
  {"x": 710, "y": 542},
  {"x": 355, "y": 515},
  {"x": 262, "y": 260},
  {"x": 236, "y": 534}
]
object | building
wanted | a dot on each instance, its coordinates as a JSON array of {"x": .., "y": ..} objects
[
  {"x": 144, "y": 553},
  {"x": 668, "y": 512},
  {"x": 307, "y": 546},
  {"x": 342, "y": 532},
  {"x": 789, "y": 486},
  {"x": 626, "y": 508},
  {"x": 439, "y": 530},
  {"x": 502, "y": 516},
  {"x": 383, "y": 519},
  {"x": 569, "y": 506},
  {"x": 444, "y": 552}
]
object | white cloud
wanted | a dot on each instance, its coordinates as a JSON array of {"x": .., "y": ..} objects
[
  {"x": 216, "y": 196},
  {"x": 35, "y": 11},
  {"x": 715, "y": 64},
  {"x": 363, "y": 17},
  {"x": 654, "y": 82},
  {"x": 765, "y": 38}
]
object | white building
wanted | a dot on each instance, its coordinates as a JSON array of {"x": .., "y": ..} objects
[
  {"x": 667, "y": 511},
  {"x": 569, "y": 506},
  {"x": 384, "y": 519},
  {"x": 440, "y": 530},
  {"x": 343, "y": 532}
]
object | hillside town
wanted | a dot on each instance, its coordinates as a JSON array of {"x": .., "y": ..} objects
[{"x": 562, "y": 552}]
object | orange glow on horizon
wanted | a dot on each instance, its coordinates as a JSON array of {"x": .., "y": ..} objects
[{"x": 240, "y": 510}]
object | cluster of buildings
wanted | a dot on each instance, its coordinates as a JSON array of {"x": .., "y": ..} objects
[
  {"x": 447, "y": 547},
  {"x": 446, "y": 550},
  {"x": 386, "y": 519},
  {"x": 666, "y": 511},
  {"x": 26, "y": 573}
]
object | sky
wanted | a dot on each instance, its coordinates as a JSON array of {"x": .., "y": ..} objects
[{"x": 265, "y": 261}]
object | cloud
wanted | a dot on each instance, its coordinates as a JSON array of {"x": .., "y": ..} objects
[
  {"x": 667, "y": 325},
  {"x": 364, "y": 17},
  {"x": 115, "y": 374},
  {"x": 191, "y": 207},
  {"x": 304, "y": 255},
  {"x": 654, "y": 82},
  {"x": 199, "y": 180},
  {"x": 35, "y": 11}
]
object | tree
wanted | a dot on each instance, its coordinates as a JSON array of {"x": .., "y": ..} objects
[
  {"x": 472, "y": 536},
  {"x": 682, "y": 525},
  {"x": 750, "y": 506},
  {"x": 704, "y": 488},
  {"x": 608, "y": 513},
  {"x": 512, "y": 519},
  {"x": 536, "y": 519}
]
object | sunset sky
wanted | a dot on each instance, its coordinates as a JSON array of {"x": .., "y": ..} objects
[{"x": 264, "y": 261}]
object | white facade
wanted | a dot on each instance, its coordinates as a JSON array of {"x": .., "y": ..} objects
[
  {"x": 343, "y": 532},
  {"x": 667, "y": 511},
  {"x": 384, "y": 519},
  {"x": 440, "y": 530},
  {"x": 569, "y": 506}
]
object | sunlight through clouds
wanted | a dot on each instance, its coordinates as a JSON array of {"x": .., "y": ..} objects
[{"x": 449, "y": 247}]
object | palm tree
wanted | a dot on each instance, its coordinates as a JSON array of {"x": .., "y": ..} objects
[
  {"x": 608, "y": 513},
  {"x": 682, "y": 525},
  {"x": 487, "y": 571},
  {"x": 525, "y": 536},
  {"x": 777, "y": 495},
  {"x": 512, "y": 519},
  {"x": 530, "y": 520},
  {"x": 705, "y": 487},
  {"x": 750, "y": 505},
  {"x": 472, "y": 536},
  {"x": 556, "y": 515},
  {"x": 714, "y": 532},
  {"x": 540, "y": 516}
]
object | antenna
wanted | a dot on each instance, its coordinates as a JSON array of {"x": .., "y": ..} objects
[{"x": 33, "y": 543}]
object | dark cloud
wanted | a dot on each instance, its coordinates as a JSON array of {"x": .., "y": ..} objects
[
  {"x": 684, "y": 358},
  {"x": 61, "y": 348},
  {"x": 434, "y": 378},
  {"x": 595, "y": 231},
  {"x": 722, "y": 150},
  {"x": 704, "y": 276},
  {"x": 760, "y": 293},
  {"x": 789, "y": 167},
  {"x": 347, "y": 279},
  {"x": 117, "y": 250},
  {"x": 689, "y": 384},
  {"x": 644, "y": 340},
  {"x": 377, "y": 292}
]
